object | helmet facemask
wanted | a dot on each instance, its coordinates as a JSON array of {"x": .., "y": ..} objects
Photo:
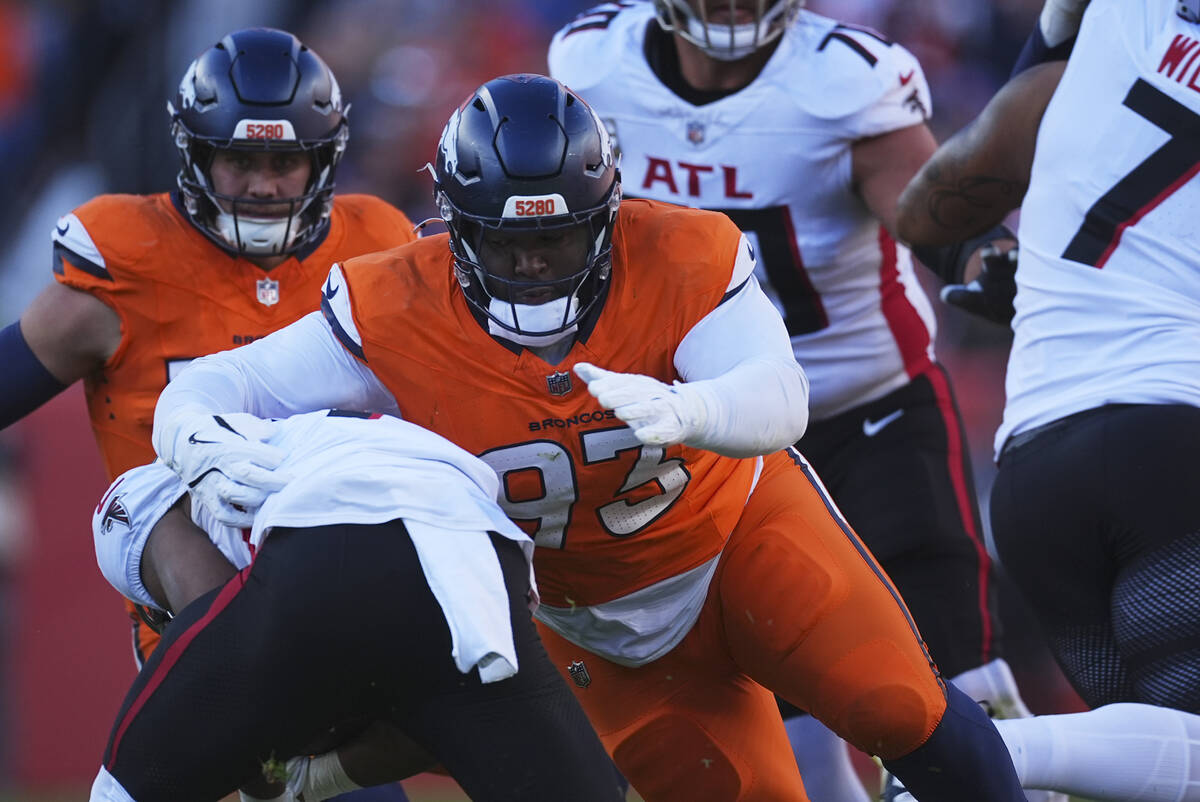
[
  {"x": 231, "y": 220},
  {"x": 258, "y": 90},
  {"x": 525, "y": 155},
  {"x": 727, "y": 41},
  {"x": 569, "y": 298}
]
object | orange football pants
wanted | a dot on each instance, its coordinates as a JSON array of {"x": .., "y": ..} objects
[
  {"x": 798, "y": 607},
  {"x": 145, "y": 639}
]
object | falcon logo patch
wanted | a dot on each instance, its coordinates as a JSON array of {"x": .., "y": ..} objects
[
  {"x": 115, "y": 514},
  {"x": 579, "y": 674}
]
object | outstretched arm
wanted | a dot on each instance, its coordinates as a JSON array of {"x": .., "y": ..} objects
[
  {"x": 743, "y": 393},
  {"x": 980, "y": 174}
]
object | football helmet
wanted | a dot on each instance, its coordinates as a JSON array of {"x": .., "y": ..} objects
[
  {"x": 526, "y": 153},
  {"x": 258, "y": 89},
  {"x": 730, "y": 40},
  {"x": 1189, "y": 10}
]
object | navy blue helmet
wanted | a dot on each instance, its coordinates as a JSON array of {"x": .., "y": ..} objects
[
  {"x": 525, "y": 152},
  {"x": 258, "y": 89}
]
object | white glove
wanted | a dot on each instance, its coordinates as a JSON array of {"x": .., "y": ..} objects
[
  {"x": 659, "y": 414},
  {"x": 226, "y": 463}
]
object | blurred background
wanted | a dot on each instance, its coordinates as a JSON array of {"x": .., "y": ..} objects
[{"x": 83, "y": 90}]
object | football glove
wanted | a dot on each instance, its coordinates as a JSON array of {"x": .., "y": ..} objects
[
  {"x": 658, "y": 414},
  {"x": 226, "y": 463},
  {"x": 990, "y": 295}
]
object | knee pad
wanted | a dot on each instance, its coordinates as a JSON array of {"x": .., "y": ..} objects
[{"x": 672, "y": 757}]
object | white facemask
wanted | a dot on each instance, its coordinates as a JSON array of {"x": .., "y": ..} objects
[
  {"x": 257, "y": 235},
  {"x": 534, "y": 318}
]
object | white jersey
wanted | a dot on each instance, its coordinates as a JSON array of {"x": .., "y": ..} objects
[
  {"x": 1108, "y": 298},
  {"x": 775, "y": 156},
  {"x": 351, "y": 469}
]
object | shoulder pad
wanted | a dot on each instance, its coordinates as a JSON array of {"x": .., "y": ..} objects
[
  {"x": 586, "y": 49},
  {"x": 388, "y": 225},
  {"x": 336, "y": 307},
  {"x": 853, "y": 67},
  {"x": 110, "y": 234}
]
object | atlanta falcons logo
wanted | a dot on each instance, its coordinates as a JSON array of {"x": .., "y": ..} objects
[{"x": 115, "y": 514}]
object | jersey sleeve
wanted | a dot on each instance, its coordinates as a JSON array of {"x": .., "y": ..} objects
[
  {"x": 864, "y": 85},
  {"x": 582, "y": 51},
  {"x": 382, "y": 223},
  {"x": 78, "y": 262},
  {"x": 898, "y": 96}
]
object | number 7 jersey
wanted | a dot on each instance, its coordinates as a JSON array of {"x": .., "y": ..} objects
[
  {"x": 1108, "y": 300},
  {"x": 776, "y": 157}
]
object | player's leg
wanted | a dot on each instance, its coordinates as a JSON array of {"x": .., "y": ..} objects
[
  {"x": 899, "y": 469},
  {"x": 1094, "y": 519},
  {"x": 1121, "y": 752},
  {"x": 688, "y": 725},
  {"x": 823, "y": 758},
  {"x": 258, "y": 671},
  {"x": 907, "y": 489},
  {"x": 229, "y": 688},
  {"x": 809, "y": 613},
  {"x": 521, "y": 738}
]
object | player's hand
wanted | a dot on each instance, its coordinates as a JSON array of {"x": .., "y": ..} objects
[
  {"x": 226, "y": 463},
  {"x": 990, "y": 295},
  {"x": 659, "y": 414}
]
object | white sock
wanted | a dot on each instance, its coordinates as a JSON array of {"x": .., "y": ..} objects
[
  {"x": 1122, "y": 752},
  {"x": 107, "y": 789},
  {"x": 324, "y": 778},
  {"x": 993, "y": 685},
  {"x": 824, "y": 762}
]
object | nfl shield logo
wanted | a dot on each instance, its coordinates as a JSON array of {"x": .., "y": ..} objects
[
  {"x": 579, "y": 674},
  {"x": 695, "y": 132},
  {"x": 558, "y": 383},
  {"x": 268, "y": 292}
]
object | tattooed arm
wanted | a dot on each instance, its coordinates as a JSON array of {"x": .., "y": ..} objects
[{"x": 981, "y": 173}]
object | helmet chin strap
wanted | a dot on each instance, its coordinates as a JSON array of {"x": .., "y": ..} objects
[{"x": 532, "y": 319}]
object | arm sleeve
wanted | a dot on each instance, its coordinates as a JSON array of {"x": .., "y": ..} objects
[
  {"x": 737, "y": 361},
  {"x": 28, "y": 384},
  {"x": 300, "y": 368}
]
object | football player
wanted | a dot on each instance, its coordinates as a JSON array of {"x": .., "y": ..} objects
[
  {"x": 388, "y": 547},
  {"x": 804, "y": 130},
  {"x": 1097, "y": 450},
  {"x": 144, "y": 284},
  {"x": 620, "y": 368}
]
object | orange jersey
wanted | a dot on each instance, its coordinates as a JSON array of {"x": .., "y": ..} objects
[
  {"x": 609, "y": 515},
  {"x": 180, "y": 297}
]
